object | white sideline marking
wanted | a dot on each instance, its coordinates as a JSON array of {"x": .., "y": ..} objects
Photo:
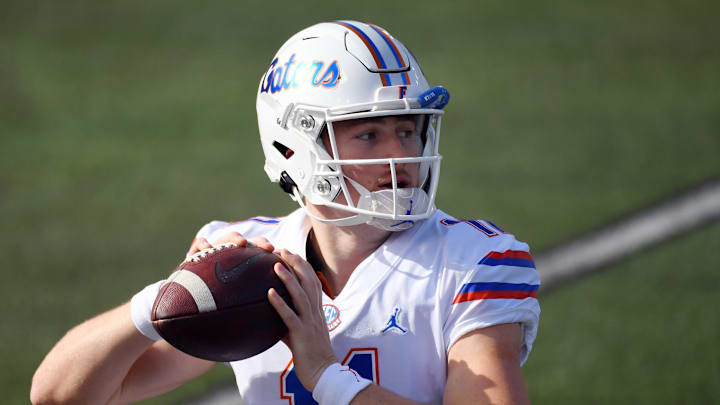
[
  {"x": 678, "y": 215},
  {"x": 671, "y": 218}
]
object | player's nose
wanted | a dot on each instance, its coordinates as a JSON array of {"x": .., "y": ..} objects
[{"x": 396, "y": 146}]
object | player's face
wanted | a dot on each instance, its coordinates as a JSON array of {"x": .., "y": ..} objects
[{"x": 378, "y": 137}]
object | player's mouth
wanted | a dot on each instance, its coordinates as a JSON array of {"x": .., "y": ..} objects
[{"x": 385, "y": 182}]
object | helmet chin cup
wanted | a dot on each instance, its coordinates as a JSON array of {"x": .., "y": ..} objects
[{"x": 402, "y": 202}]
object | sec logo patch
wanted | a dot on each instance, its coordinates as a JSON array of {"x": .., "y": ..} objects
[{"x": 332, "y": 316}]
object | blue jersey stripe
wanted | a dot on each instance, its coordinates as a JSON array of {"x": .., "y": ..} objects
[
  {"x": 507, "y": 261},
  {"x": 265, "y": 221},
  {"x": 475, "y": 287}
]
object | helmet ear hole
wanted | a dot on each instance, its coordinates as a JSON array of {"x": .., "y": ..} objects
[{"x": 284, "y": 150}]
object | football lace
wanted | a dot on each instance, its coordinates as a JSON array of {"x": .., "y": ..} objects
[{"x": 198, "y": 256}]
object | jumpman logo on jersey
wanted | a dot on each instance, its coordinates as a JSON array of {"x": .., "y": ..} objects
[{"x": 393, "y": 323}]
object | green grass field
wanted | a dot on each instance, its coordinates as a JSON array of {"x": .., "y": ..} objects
[
  {"x": 643, "y": 332},
  {"x": 125, "y": 126}
]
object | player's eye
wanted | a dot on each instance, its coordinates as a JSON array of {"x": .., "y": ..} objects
[
  {"x": 366, "y": 136},
  {"x": 406, "y": 133}
]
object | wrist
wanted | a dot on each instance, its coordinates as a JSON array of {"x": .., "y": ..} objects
[
  {"x": 338, "y": 385},
  {"x": 141, "y": 306}
]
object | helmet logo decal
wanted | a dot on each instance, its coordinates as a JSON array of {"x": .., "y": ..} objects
[
  {"x": 329, "y": 78},
  {"x": 283, "y": 76}
]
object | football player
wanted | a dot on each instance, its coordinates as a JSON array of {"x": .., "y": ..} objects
[{"x": 395, "y": 301}]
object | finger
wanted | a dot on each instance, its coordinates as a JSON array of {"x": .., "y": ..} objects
[
  {"x": 262, "y": 243},
  {"x": 288, "y": 316},
  {"x": 232, "y": 237},
  {"x": 199, "y": 243},
  {"x": 300, "y": 266},
  {"x": 297, "y": 293},
  {"x": 306, "y": 277},
  {"x": 305, "y": 273}
]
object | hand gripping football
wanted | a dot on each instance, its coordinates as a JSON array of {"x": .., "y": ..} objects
[{"x": 215, "y": 307}]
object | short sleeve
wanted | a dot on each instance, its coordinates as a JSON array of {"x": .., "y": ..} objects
[{"x": 500, "y": 288}]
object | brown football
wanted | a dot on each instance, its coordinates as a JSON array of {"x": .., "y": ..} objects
[{"x": 214, "y": 305}]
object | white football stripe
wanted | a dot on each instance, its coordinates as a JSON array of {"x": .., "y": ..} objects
[{"x": 197, "y": 288}]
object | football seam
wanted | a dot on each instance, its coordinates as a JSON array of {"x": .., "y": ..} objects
[
  {"x": 252, "y": 303},
  {"x": 245, "y": 304}
]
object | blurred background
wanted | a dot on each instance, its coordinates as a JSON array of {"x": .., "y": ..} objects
[{"x": 126, "y": 126}]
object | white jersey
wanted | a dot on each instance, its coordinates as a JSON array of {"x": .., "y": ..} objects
[{"x": 403, "y": 307}]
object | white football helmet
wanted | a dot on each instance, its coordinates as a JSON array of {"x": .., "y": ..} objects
[{"x": 337, "y": 71}]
